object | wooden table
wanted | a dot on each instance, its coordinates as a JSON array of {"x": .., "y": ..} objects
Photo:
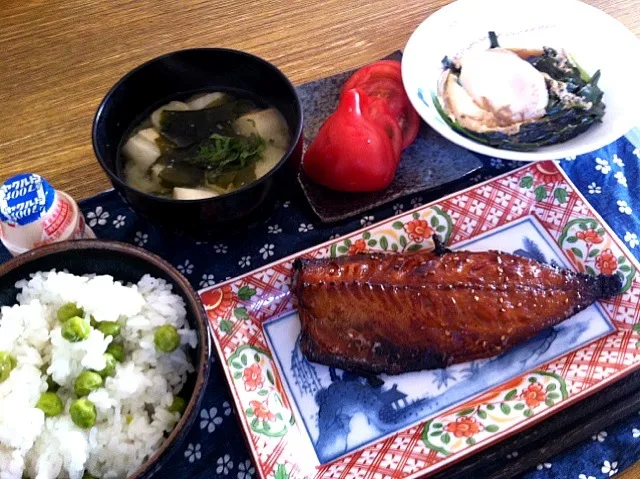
[{"x": 59, "y": 58}]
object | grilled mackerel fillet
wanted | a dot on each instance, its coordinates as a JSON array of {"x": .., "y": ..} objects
[{"x": 394, "y": 313}]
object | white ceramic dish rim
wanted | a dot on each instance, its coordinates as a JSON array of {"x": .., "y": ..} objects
[{"x": 589, "y": 141}]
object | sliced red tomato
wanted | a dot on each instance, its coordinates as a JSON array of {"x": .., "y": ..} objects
[
  {"x": 380, "y": 69},
  {"x": 353, "y": 150},
  {"x": 377, "y": 110},
  {"x": 383, "y": 79},
  {"x": 411, "y": 126}
]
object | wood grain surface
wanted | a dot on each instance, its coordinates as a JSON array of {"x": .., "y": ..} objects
[{"x": 58, "y": 58}]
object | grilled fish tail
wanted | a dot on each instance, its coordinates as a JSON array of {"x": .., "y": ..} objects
[{"x": 607, "y": 286}]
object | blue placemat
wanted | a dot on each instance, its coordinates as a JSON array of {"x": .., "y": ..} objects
[{"x": 215, "y": 447}]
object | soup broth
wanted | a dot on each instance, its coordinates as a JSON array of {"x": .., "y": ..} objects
[{"x": 208, "y": 145}]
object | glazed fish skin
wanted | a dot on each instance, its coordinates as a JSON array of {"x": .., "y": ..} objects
[{"x": 394, "y": 313}]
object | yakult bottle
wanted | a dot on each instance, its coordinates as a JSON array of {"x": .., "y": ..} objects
[{"x": 33, "y": 214}]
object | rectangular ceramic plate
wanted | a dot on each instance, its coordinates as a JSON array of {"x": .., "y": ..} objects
[{"x": 304, "y": 420}]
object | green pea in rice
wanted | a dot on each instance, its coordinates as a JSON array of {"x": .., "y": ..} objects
[{"x": 132, "y": 406}]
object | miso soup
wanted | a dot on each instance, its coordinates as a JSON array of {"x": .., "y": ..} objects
[{"x": 208, "y": 145}]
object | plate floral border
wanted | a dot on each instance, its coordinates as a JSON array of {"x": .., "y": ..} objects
[{"x": 237, "y": 309}]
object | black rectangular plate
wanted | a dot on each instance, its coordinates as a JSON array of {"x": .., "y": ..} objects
[{"x": 429, "y": 163}]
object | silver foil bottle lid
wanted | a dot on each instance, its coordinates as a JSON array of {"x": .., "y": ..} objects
[{"x": 25, "y": 198}]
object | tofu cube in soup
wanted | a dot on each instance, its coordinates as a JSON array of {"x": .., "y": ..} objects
[
  {"x": 192, "y": 194},
  {"x": 206, "y": 100},
  {"x": 270, "y": 158},
  {"x": 269, "y": 124},
  {"x": 149, "y": 134},
  {"x": 142, "y": 149}
]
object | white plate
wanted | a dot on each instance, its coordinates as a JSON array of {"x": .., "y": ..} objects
[{"x": 594, "y": 39}]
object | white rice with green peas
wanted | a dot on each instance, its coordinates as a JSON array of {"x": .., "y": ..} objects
[{"x": 132, "y": 405}]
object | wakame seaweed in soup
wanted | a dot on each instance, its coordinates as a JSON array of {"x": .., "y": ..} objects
[{"x": 205, "y": 146}]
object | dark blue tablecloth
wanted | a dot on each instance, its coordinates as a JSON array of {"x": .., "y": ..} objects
[{"x": 215, "y": 446}]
